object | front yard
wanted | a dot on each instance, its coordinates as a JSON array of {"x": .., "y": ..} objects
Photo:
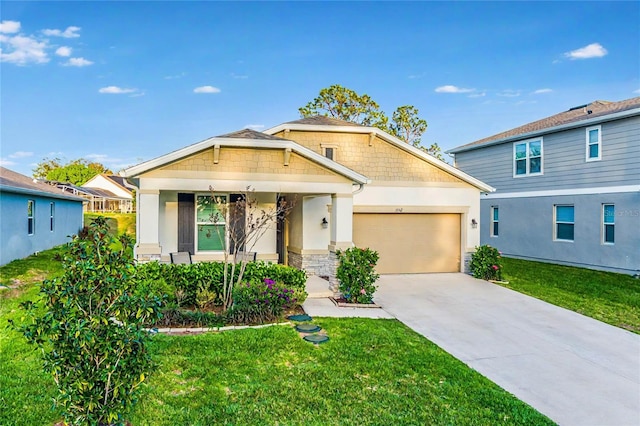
[
  {"x": 370, "y": 372},
  {"x": 605, "y": 296}
]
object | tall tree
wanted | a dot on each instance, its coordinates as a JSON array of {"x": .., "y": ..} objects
[
  {"x": 339, "y": 102},
  {"x": 343, "y": 103},
  {"x": 76, "y": 172}
]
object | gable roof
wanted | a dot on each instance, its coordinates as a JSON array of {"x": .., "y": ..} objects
[
  {"x": 583, "y": 115},
  {"x": 11, "y": 181},
  {"x": 245, "y": 138},
  {"x": 115, "y": 179},
  {"x": 314, "y": 124}
]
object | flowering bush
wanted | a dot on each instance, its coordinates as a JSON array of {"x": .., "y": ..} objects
[
  {"x": 260, "y": 301},
  {"x": 486, "y": 263},
  {"x": 357, "y": 275}
]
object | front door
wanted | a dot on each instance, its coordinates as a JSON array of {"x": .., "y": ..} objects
[{"x": 186, "y": 222}]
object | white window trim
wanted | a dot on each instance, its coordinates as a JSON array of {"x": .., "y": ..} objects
[
  {"x": 226, "y": 220},
  {"x": 604, "y": 225},
  {"x": 492, "y": 222},
  {"x": 52, "y": 216},
  {"x": 555, "y": 223},
  {"x": 587, "y": 144},
  {"x": 324, "y": 146},
  {"x": 32, "y": 217},
  {"x": 527, "y": 158}
]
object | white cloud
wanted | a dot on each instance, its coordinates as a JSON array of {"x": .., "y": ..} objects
[
  {"x": 23, "y": 50},
  {"x": 509, "y": 93},
  {"x": 593, "y": 50},
  {"x": 541, "y": 91},
  {"x": 239, "y": 76},
  {"x": 115, "y": 90},
  {"x": 453, "y": 89},
  {"x": 254, "y": 126},
  {"x": 637, "y": 91},
  {"x": 21, "y": 154},
  {"x": 70, "y": 32},
  {"x": 478, "y": 95},
  {"x": 9, "y": 27},
  {"x": 173, "y": 77},
  {"x": 5, "y": 163},
  {"x": 63, "y": 51},
  {"x": 206, "y": 89},
  {"x": 78, "y": 62}
]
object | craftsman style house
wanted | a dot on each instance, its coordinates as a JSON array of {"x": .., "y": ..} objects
[
  {"x": 350, "y": 185},
  {"x": 567, "y": 187}
]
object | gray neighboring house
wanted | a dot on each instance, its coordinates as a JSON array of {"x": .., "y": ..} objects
[
  {"x": 567, "y": 187},
  {"x": 34, "y": 216}
]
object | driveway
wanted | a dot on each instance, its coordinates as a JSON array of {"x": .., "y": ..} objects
[{"x": 574, "y": 369}]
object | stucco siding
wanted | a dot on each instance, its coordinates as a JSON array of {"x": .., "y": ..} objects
[
  {"x": 564, "y": 161},
  {"x": 526, "y": 230},
  {"x": 14, "y": 239}
]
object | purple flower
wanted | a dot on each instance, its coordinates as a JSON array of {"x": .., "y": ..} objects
[{"x": 269, "y": 281}]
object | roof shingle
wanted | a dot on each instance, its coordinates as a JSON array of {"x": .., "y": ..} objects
[{"x": 321, "y": 120}]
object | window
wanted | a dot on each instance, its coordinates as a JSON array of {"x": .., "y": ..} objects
[
  {"x": 593, "y": 143},
  {"x": 564, "y": 223},
  {"x": 210, "y": 223},
  {"x": 608, "y": 223},
  {"x": 329, "y": 151},
  {"x": 31, "y": 214},
  {"x": 495, "y": 216},
  {"x": 52, "y": 214},
  {"x": 527, "y": 158}
]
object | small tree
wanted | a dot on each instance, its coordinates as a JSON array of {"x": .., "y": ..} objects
[
  {"x": 88, "y": 324},
  {"x": 486, "y": 263},
  {"x": 246, "y": 221}
]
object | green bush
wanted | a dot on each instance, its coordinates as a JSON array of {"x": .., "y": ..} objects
[
  {"x": 89, "y": 325},
  {"x": 356, "y": 272},
  {"x": 257, "y": 302},
  {"x": 486, "y": 263}
]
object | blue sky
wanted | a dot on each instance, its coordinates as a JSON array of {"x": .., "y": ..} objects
[{"x": 124, "y": 82}]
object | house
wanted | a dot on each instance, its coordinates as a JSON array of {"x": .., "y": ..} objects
[
  {"x": 119, "y": 197},
  {"x": 567, "y": 187},
  {"x": 34, "y": 216},
  {"x": 350, "y": 185}
]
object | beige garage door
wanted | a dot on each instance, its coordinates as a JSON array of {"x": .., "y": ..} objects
[{"x": 410, "y": 243}]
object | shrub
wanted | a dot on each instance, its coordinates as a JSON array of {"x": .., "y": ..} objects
[
  {"x": 88, "y": 324},
  {"x": 356, "y": 272},
  {"x": 260, "y": 302},
  {"x": 486, "y": 263},
  {"x": 290, "y": 277}
]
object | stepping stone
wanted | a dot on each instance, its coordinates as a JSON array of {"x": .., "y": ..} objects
[
  {"x": 316, "y": 338},
  {"x": 308, "y": 328},
  {"x": 300, "y": 317}
]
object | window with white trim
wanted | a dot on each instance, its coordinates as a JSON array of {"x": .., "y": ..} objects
[
  {"x": 495, "y": 217},
  {"x": 527, "y": 158},
  {"x": 608, "y": 223},
  {"x": 594, "y": 143},
  {"x": 31, "y": 217},
  {"x": 329, "y": 151},
  {"x": 564, "y": 223},
  {"x": 52, "y": 215},
  {"x": 211, "y": 223}
]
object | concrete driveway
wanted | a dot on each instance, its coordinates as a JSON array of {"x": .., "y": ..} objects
[{"x": 575, "y": 370}]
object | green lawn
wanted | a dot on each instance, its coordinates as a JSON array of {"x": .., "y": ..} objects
[
  {"x": 605, "y": 296},
  {"x": 119, "y": 223},
  {"x": 370, "y": 372}
]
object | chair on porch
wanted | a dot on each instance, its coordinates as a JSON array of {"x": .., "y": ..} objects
[{"x": 181, "y": 257}]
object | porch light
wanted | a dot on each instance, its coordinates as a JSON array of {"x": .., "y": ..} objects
[
  {"x": 474, "y": 223},
  {"x": 324, "y": 223}
]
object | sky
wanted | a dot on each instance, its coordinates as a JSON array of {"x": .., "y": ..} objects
[{"x": 124, "y": 82}]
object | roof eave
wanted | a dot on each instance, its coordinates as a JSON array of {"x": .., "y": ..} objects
[
  {"x": 35, "y": 192},
  {"x": 554, "y": 129}
]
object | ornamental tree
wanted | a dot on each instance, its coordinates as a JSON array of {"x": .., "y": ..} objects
[{"x": 88, "y": 324}]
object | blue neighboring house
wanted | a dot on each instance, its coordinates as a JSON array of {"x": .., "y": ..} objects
[
  {"x": 34, "y": 216},
  {"x": 567, "y": 187}
]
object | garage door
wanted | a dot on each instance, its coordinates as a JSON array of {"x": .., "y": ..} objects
[{"x": 410, "y": 243}]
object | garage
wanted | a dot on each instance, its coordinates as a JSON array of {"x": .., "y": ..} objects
[{"x": 410, "y": 243}]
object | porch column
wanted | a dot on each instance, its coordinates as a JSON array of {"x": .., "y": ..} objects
[
  {"x": 148, "y": 247},
  {"x": 341, "y": 232}
]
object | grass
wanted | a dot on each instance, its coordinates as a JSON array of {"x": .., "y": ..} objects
[
  {"x": 370, "y": 372},
  {"x": 606, "y": 296},
  {"x": 119, "y": 223}
]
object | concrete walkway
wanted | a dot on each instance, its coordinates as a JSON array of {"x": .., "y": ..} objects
[{"x": 575, "y": 370}]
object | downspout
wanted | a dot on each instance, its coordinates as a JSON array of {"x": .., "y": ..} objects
[{"x": 359, "y": 190}]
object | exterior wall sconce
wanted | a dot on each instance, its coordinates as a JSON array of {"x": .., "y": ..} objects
[
  {"x": 474, "y": 223},
  {"x": 324, "y": 223}
]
